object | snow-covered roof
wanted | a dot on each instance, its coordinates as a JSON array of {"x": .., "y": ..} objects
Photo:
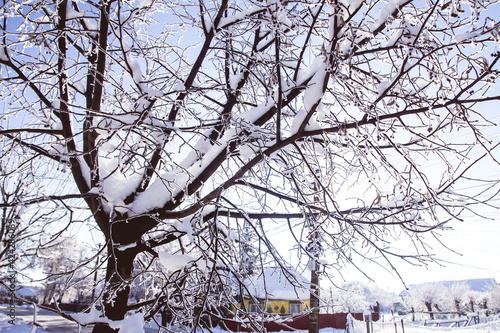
[
  {"x": 480, "y": 285},
  {"x": 26, "y": 291},
  {"x": 274, "y": 284}
]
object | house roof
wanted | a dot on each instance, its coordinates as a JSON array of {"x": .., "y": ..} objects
[
  {"x": 272, "y": 283},
  {"x": 479, "y": 285},
  {"x": 25, "y": 291}
]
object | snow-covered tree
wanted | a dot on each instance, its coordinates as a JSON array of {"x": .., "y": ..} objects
[
  {"x": 475, "y": 300},
  {"x": 349, "y": 297},
  {"x": 10, "y": 228},
  {"x": 427, "y": 297},
  {"x": 354, "y": 296},
  {"x": 249, "y": 253},
  {"x": 22, "y": 228},
  {"x": 456, "y": 296},
  {"x": 181, "y": 121},
  {"x": 69, "y": 272},
  {"x": 380, "y": 297},
  {"x": 494, "y": 300}
]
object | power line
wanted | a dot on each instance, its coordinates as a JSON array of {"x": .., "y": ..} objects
[{"x": 465, "y": 265}]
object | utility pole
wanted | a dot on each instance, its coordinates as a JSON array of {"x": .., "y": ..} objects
[
  {"x": 314, "y": 290},
  {"x": 314, "y": 248}
]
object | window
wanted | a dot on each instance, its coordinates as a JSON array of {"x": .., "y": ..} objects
[
  {"x": 295, "y": 307},
  {"x": 255, "y": 307}
]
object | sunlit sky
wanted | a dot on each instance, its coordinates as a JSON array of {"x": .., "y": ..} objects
[
  {"x": 467, "y": 249},
  {"x": 473, "y": 252},
  {"x": 477, "y": 255},
  {"x": 470, "y": 249}
]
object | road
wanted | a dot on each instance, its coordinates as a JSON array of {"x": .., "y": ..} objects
[{"x": 53, "y": 323}]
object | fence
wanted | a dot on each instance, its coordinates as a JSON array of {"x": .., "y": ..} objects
[{"x": 287, "y": 322}]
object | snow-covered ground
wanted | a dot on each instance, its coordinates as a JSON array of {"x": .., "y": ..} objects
[
  {"x": 359, "y": 327},
  {"x": 18, "y": 327}
]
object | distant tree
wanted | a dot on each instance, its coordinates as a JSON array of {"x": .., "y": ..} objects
[
  {"x": 385, "y": 299},
  {"x": 353, "y": 296},
  {"x": 173, "y": 122},
  {"x": 475, "y": 300},
  {"x": 349, "y": 297},
  {"x": 457, "y": 294},
  {"x": 23, "y": 227},
  {"x": 249, "y": 254},
  {"x": 427, "y": 297},
  {"x": 494, "y": 302},
  {"x": 483, "y": 301},
  {"x": 69, "y": 272},
  {"x": 10, "y": 228},
  {"x": 457, "y": 297}
]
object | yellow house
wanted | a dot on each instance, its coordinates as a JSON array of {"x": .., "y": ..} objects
[{"x": 273, "y": 292}]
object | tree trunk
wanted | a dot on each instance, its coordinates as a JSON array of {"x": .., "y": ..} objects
[
  {"x": 457, "y": 307},
  {"x": 428, "y": 305},
  {"x": 118, "y": 275}
]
